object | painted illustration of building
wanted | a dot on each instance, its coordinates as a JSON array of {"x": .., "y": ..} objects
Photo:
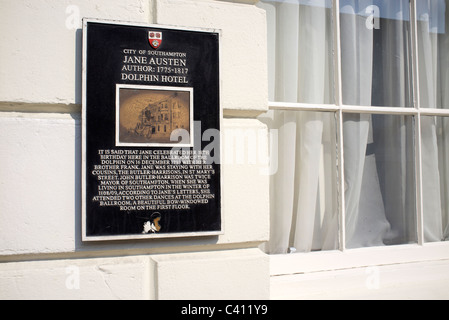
[
  {"x": 158, "y": 120},
  {"x": 148, "y": 115}
]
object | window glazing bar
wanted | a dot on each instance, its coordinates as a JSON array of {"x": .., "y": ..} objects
[
  {"x": 379, "y": 110},
  {"x": 416, "y": 100},
  {"x": 351, "y": 109},
  {"x": 434, "y": 112},
  {"x": 292, "y": 106},
  {"x": 338, "y": 99}
]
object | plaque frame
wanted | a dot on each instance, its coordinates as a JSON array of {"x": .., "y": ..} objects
[{"x": 89, "y": 238}]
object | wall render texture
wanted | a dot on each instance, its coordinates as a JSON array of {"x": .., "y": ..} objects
[{"x": 41, "y": 252}]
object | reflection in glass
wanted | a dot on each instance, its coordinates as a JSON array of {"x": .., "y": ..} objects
[
  {"x": 379, "y": 180},
  {"x": 433, "y": 53},
  {"x": 375, "y": 52}
]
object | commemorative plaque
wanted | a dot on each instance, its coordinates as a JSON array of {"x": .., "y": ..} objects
[{"x": 151, "y": 131}]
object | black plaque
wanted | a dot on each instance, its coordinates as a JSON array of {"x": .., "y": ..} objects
[{"x": 151, "y": 131}]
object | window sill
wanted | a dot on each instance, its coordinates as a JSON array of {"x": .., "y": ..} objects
[{"x": 354, "y": 258}]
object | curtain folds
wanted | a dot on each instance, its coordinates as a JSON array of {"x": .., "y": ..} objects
[
  {"x": 379, "y": 167},
  {"x": 433, "y": 49},
  {"x": 303, "y": 197}
]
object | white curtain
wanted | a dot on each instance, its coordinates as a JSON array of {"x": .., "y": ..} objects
[
  {"x": 303, "y": 196},
  {"x": 433, "y": 52},
  {"x": 364, "y": 205},
  {"x": 378, "y": 149}
]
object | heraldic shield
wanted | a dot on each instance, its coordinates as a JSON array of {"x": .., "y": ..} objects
[{"x": 155, "y": 39}]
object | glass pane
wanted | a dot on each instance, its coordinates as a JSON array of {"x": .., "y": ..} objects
[
  {"x": 379, "y": 180},
  {"x": 303, "y": 187},
  {"x": 433, "y": 52},
  {"x": 300, "y": 67},
  {"x": 435, "y": 171},
  {"x": 375, "y": 52}
]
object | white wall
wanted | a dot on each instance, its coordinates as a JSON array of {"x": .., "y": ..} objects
[{"x": 41, "y": 252}]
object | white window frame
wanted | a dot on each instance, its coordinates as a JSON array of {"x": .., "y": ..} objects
[{"x": 343, "y": 258}]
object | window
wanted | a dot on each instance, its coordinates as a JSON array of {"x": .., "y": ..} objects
[{"x": 359, "y": 96}]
